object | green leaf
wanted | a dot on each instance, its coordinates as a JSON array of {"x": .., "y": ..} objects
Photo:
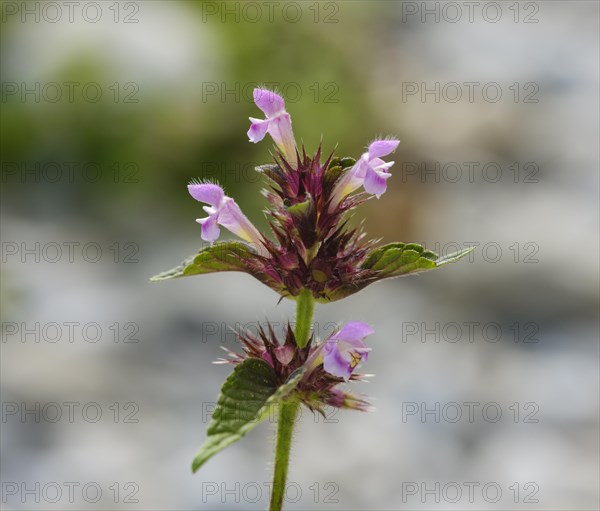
[
  {"x": 397, "y": 259},
  {"x": 393, "y": 260},
  {"x": 245, "y": 400},
  {"x": 227, "y": 256},
  {"x": 455, "y": 256}
]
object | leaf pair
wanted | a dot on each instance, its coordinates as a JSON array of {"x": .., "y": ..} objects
[{"x": 388, "y": 261}]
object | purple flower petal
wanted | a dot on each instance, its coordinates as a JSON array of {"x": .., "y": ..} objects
[
  {"x": 210, "y": 229},
  {"x": 278, "y": 124},
  {"x": 232, "y": 218},
  {"x": 349, "y": 182},
  {"x": 258, "y": 129},
  {"x": 207, "y": 192},
  {"x": 382, "y": 148},
  {"x": 375, "y": 182},
  {"x": 354, "y": 330},
  {"x": 379, "y": 164},
  {"x": 370, "y": 171},
  {"x": 334, "y": 363},
  {"x": 223, "y": 211},
  {"x": 280, "y": 129},
  {"x": 356, "y": 346},
  {"x": 269, "y": 102},
  {"x": 346, "y": 349},
  {"x": 359, "y": 169}
]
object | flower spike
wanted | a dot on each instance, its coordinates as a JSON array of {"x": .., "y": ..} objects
[{"x": 314, "y": 254}]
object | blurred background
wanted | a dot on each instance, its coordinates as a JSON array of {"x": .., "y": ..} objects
[{"x": 487, "y": 378}]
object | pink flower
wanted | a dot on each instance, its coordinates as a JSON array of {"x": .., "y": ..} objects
[
  {"x": 278, "y": 123},
  {"x": 370, "y": 171},
  {"x": 222, "y": 210},
  {"x": 344, "y": 350}
]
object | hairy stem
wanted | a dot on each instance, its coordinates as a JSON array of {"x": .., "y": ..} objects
[
  {"x": 305, "y": 306},
  {"x": 285, "y": 428}
]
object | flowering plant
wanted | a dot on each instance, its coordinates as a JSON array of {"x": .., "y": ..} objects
[{"x": 314, "y": 256}]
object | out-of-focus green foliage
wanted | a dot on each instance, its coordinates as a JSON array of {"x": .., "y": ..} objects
[{"x": 149, "y": 149}]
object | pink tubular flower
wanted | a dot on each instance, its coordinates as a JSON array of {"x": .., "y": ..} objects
[
  {"x": 369, "y": 171},
  {"x": 222, "y": 210},
  {"x": 278, "y": 123},
  {"x": 344, "y": 350}
]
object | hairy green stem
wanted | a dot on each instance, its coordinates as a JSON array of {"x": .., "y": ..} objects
[
  {"x": 285, "y": 428},
  {"x": 305, "y": 306}
]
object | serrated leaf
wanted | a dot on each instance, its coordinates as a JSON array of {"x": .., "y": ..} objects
[
  {"x": 245, "y": 400},
  {"x": 226, "y": 256},
  {"x": 397, "y": 259},
  {"x": 393, "y": 260},
  {"x": 388, "y": 261}
]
